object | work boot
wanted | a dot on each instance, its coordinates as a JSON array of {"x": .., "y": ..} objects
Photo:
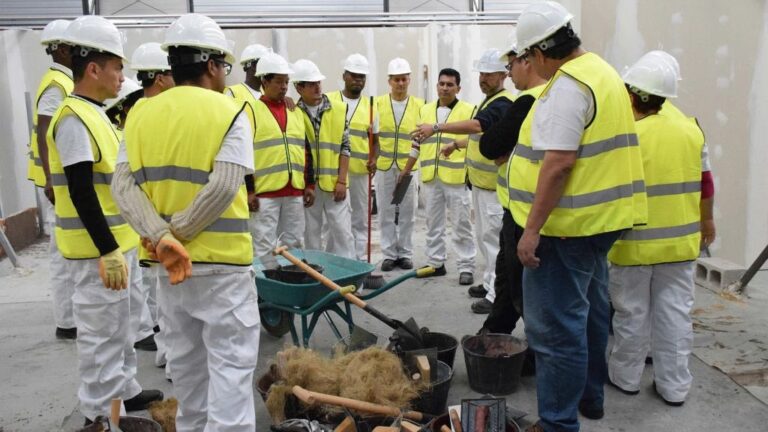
[
  {"x": 405, "y": 263},
  {"x": 387, "y": 265},
  {"x": 591, "y": 412},
  {"x": 439, "y": 271},
  {"x": 466, "y": 278},
  {"x": 477, "y": 291},
  {"x": 482, "y": 307},
  {"x": 66, "y": 333},
  {"x": 146, "y": 344},
  {"x": 142, "y": 400}
]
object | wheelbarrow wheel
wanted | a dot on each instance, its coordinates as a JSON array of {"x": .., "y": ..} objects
[{"x": 276, "y": 322}]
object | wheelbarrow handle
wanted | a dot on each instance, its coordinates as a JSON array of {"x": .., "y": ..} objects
[{"x": 314, "y": 398}]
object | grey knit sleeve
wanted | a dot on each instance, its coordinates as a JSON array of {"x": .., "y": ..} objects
[{"x": 135, "y": 206}]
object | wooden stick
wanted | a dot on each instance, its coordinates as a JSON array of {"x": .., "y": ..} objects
[{"x": 312, "y": 398}]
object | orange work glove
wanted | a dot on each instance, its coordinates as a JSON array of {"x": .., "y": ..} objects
[
  {"x": 113, "y": 270},
  {"x": 175, "y": 259}
]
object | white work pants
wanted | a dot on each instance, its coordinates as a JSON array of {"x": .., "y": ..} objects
[
  {"x": 488, "y": 216},
  {"x": 212, "y": 331},
  {"x": 337, "y": 217},
  {"x": 277, "y": 218},
  {"x": 106, "y": 358},
  {"x": 653, "y": 305},
  {"x": 62, "y": 286},
  {"x": 358, "y": 201},
  {"x": 396, "y": 240},
  {"x": 455, "y": 199}
]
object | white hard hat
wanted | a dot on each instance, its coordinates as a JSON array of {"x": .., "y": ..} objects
[
  {"x": 398, "y": 66},
  {"x": 54, "y": 31},
  {"x": 539, "y": 21},
  {"x": 357, "y": 63},
  {"x": 92, "y": 32},
  {"x": 668, "y": 58},
  {"x": 653, "y": 75},
  {"x": 306, "y": 71},
  {"x": 199, "y": 31},
  {"x": 150, "y": 57},
  {"x": 253, "y": 52},
  {"x": 273, "y": 63},
  {"x": 490, "y": 62},
  {"x": 129, "y": 86}
]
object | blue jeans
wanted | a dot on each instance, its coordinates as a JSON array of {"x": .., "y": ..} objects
[{"x": 566, "y": 322}]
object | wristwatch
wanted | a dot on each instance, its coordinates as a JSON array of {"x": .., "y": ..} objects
[{"x": 436, "y": 128}]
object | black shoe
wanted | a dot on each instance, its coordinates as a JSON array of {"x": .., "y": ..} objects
[
  {"x": 66, "y": 333},
  {"x": 626, "y": 392},
  {"x": 466, "y": 278},
  {"x": 477, "y": 291},
  {"x": 439, "y": 271},
  {"x": 482, "y": 307},
  {"x": 590, "y": 412},
  {"x": 405, "y": 263},
  {"x": 142, "y": 400},
  {"x": 670, "y": 403},
  {"x": 146, "y": 344},
  {"x": 388, "y": 265}
]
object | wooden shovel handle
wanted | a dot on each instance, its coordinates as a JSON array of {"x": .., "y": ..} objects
[
  {"x": 282, "y": 250},
  {"x": 312, "y": 398}
]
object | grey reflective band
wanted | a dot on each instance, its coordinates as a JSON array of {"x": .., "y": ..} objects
[
  {"x": 358, "y": 133},
  {"x": 580, "y": 201},
  {"x": 674, "y": 188},
  {"x": 322, "y": 145},
  {"x": 260, "y": 145},
  {"x": 74, "y": 223},
  {"x": 98, "y": 178},
  {"x": 171, "y": 172},
  {"x": 501, "y": 181},
  {"x": 481, "y": 166},
  {"x": 599, "y": 147},
  {"x": 358, "y": 155},
  {"x": 224, "y": 225},
  {"x": 662, "y": 233},
  {"x": 327, "y": 171},
  {"x": 277, "y": 169}
]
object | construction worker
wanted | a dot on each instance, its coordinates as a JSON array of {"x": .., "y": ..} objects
[
  {"x": 575, "y": 183},
  {"x": 362, "y": 161},
  {"x": 250, "y": 90},
  {"x": 284, "y": 179},
  {"x": 482, "y": 172},
  {"x": 444, "y": 178},
  {"x": 153, "y": 71},
  {"x": 652, "y": 266},
  {"x": 180, "y": 182},
  {"x": 55, "y": 85},
  {"x": 399, "y": 114},
  {"x": 99, "y": 245},
  {"x": 325, "y": 123}
]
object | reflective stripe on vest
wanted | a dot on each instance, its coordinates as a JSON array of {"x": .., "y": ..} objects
[
  {"x": 279, "y": 156},
  {"x": 172, "y": 156},
  {"x": 59, "y": 79},
  {"x": 671, "y": 146},
  {"x": 72, "y": 238},
  {"x": 605, "y": 191},
  {"x": 502, "y": 193},
  {"x": 482, "y": 171},
  {"x": 359, "y": 123},
  {"x": 327, "y": 147},
  {"x": 450, "y": 170},
  {"x": 395, "y": 139}
]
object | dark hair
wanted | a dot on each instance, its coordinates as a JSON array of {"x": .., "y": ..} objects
[
  {"x": 565, "y": 41},
  {"x": 183, "y": 69},
  {"x": 451, "y": 73},
  {"x": 79, "y": 63},
  {"x": 650, "y": 106}
]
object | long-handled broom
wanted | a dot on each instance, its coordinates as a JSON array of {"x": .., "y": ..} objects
[{"x": 373, "y": 281}]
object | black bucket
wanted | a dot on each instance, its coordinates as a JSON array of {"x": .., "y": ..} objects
[
  {"x": 435, "y": 400},
  {"x": 446, "y": 346},
  {"x": 496, "y": 372}
]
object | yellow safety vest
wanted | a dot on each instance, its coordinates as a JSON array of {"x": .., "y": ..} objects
[
  {"x": 72, "y": 239},
  {"x": 279, "y": 156},
  {"x": 395, "y": 139},
  {"x": 358, "y": 133},
  {"x": 502, "y": 180},
  {"x": 482, "y": 171},
  {"x": 171, "y": 145},
  {"x": 604, "y": 190},
  {"x": 449, "y": 170},
  {"x": 327, "y": 147},
  {"x": 52, "y": 77},
  {"x": 671, "y": 147}
]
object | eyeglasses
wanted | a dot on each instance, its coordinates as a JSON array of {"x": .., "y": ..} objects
[{"x": 227, "y": 66}]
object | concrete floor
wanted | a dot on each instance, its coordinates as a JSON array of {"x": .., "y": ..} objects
[{"x": 39, "y": 373}]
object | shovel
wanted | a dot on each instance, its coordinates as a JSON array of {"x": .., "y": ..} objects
[
  {"x": 409, "y": 331},
  {"x": 313, "y": 398}
]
